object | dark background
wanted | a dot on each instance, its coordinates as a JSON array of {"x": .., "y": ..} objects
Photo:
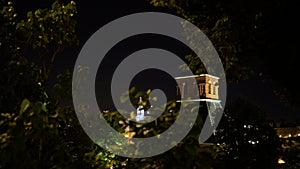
[{"x": 281, "y": 28}]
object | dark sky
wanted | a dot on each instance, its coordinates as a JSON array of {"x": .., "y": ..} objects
[{"x": 92, "y": 16}]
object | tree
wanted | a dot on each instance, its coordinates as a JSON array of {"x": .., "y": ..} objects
[
  {"x": 290, "y": 153},
  {"x": 187, "y": 150},
  {"x": 237, "y": 31},
  {"x": 244, "y": 36},
  {"x": 37, "y": 128},
  {"x": 227, "y": 25},
  {"x": 251, "y": 37},
  {"x": 245, "y": 139}
]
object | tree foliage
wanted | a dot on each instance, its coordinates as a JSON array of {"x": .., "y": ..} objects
[
  {"x": 245, "y": 139},
  {"x": 187, "y": 150},
  {"x": 37, "y": 128},
  {"x": 228, "y": 25},
  {"x": 290, "y": 153},
  {"x": 251, "y": 37}
]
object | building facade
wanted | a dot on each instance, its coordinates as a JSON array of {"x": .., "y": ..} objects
[
  {"x": 288, "y": 132},
  {"x": 206, "y": 86},
  {"x": 202, "y": 89}
]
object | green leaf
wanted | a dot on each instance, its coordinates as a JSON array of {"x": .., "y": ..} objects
[
  {"x": 124, "y": 98},
  {"x": 29, "y": 14},
  {"x": 24, "y": 105},
  {"x": 44, "y": 107}
]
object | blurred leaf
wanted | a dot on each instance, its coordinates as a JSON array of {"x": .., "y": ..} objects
[{"x": 24, "y": 105}]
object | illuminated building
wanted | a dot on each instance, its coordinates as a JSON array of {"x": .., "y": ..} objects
[
  {"x": 203, "y": 88},
  {"x": 288, "y": 132}
]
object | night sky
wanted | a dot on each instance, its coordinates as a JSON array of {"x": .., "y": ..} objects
[{"x": 92, "y": 16}]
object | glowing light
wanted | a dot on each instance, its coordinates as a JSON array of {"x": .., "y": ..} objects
[
  {"x": 299, "y": 134},
  {"x": 129, "y": 134},
  {"x": 280, "y": 136},
  {"x": 281, "y": 161},
  {"x": 290, "y": 135}
]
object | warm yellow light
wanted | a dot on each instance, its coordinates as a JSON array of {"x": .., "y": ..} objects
[
  {"x": 290, "y": 135},
  {"x": 280, "y": 136},
  {"x": 299, "y": 134},
  {"x": 280, "y": 161},
  {"x": 129, "y": 134}
]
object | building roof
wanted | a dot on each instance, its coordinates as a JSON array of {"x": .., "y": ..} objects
[{"x": 184, "y": 77}]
